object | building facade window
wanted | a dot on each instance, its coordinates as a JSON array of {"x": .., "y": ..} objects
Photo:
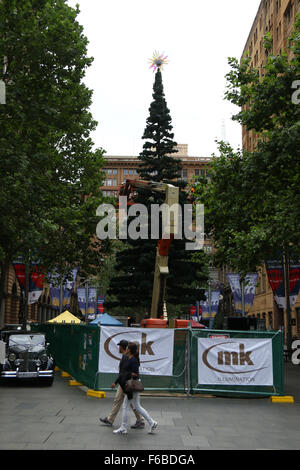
[
  {"x": 108, "y": 193},
  {"x": 111, "y": 182},
  {"x": 130, "y": 171}
]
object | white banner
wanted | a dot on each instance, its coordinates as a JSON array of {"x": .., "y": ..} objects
[
  {"x": 235, "y": 361},
  {"x": 33, "y": 296},
  {"x": 156, "y": 349}
]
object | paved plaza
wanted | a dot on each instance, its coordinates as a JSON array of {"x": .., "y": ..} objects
[{"x": 63, "y": 417}]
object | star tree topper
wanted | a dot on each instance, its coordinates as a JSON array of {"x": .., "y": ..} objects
[{"x": 158, "y": 61}]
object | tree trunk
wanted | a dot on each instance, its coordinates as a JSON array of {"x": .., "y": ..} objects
[
  {"x": 25, "y": 315},
  {"x": 3, "y": 268}
]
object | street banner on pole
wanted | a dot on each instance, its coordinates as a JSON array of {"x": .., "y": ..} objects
[
  {"x": 193, "y": 310},
  {"x": 54, "y": 289},
  {"x": 215, "y": 299},
  {"x": 68, "y": 288},
  {"x": 249, "y": 290},
  {"x": 36, "y": 279},
  {"x": 275, "y": 272},
  {"x": 33, "y": 296},
  {"x": 100, "y": 303},
  {"x": 235, "y": 285},
  {"x": 214, "y": 304},
  {"x": 19, "y": 268},
  {"x": 205, "y": 306},
  {"x": 36, "y": 276},
  {"x": 36, "y": 283},
  {"x": 294, "y": 276},
  {"x": 81, "y": 296},
  {"x": 92, "y": 299},
  {"x": 155, "y": 349},
  {"x": 55, "y": 295}
]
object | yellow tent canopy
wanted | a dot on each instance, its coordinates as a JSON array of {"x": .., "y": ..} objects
[{"x": 65, "y": 317}]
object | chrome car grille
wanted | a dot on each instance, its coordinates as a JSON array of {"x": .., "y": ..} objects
[{"x": 28, "y": 361}]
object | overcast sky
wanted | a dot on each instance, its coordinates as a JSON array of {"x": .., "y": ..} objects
[{"x": 198, "y": 36}]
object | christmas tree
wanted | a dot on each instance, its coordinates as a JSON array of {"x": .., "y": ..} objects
[
  {"x": 135, "y": 264},
  {"x": 157, "y": 164}
]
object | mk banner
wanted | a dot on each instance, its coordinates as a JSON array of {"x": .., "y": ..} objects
[
  {"x": 155, "y": 349},
  {"x": 235, "y": 361}
]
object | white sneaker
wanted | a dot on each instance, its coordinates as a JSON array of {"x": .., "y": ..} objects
[
  {"x": 152, "y": 427},
  {"x": 120, "y": 431}
]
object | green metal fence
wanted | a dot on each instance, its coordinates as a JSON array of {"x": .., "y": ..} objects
[
  {"x": 75, "y": 348},
  {"x": 239, "y": 390},
  {"x": 76, "y": 351}
]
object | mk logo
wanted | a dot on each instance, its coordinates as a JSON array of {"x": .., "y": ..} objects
[
  {"x": 146, "y": 347},
  {"x": 235, "y": 358}
]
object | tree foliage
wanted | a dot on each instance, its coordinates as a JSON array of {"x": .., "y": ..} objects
[
  {"x": 47, "y": 163},
  {"x": 252, "y": 201},
  {"x": 157, "y": 162}
]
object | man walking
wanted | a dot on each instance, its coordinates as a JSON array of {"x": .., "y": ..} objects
[{"x": 119, "y": 398}]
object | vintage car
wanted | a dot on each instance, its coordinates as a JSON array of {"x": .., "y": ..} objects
[{"x": 26, "y": 357}]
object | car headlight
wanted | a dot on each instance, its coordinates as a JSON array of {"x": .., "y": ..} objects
[
  {"x": 12, "y": 357},
  {"x": 18, "y": 362},
  {"x": 44, "y": 358},
  {"x": 38, "y": 363}
]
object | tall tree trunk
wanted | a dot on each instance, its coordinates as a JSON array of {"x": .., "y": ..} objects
[
  {"x": 3, "y": 270},
  {"x": 26, "y": 292}
]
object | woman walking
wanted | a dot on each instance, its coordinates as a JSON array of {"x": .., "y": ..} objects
[{"x": 132, "y": 372}]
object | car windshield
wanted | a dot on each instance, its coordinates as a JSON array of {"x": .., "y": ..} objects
[{"x": 28, "y": 340}]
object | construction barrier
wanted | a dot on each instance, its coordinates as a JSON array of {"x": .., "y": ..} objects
[
  {"x": 243, "y": 363},
  {"x": 232, "y": 363},
  {"x": 75, "y": 348}
]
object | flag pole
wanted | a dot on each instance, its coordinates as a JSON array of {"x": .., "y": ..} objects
[
  {"x": 86, "y": 299},
  {"x": 26, "y": 292},
  {"x": 61, "y": 296}
]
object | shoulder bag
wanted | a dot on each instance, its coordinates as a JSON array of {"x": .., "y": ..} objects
[{"x": 134, "y": 386}]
